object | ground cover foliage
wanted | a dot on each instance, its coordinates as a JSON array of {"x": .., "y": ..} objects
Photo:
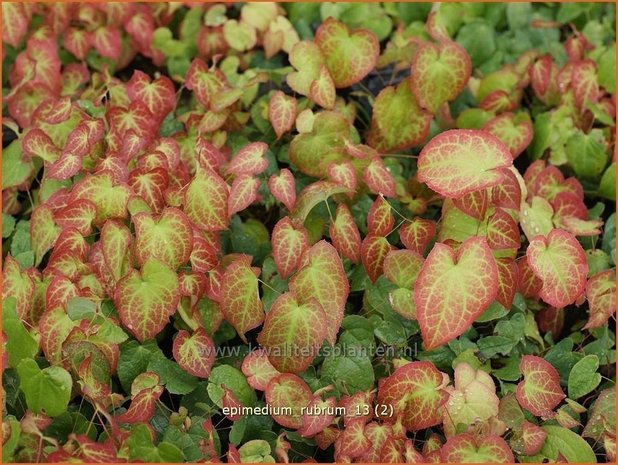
[{"x": 388, "y": 227}]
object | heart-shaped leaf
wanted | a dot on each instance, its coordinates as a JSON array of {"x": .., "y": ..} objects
[
  {"x": 43, "y": 231},
  {"x": 379, "y": 180},
  {"x": 465, "y": 448},
  {"x": 159, "y": 96},
  {"x": 244, "y": 192},
  {"x": 312, "y": 195},
  {"x": 288, "y": 394},
  {"x": 283, "y": 188},
  {"x": 417, "y": 234},
  {"x": 289, "y": 243},
  {"x": 282, "y": 112},
  {"x": 373, "y": 253},
  {"x": 380, "y": 219},
  {"x": 78, "y": 214},
  {"x": 206, "y": 201},
  {"x": 601, "y": 294},
  {"x": 195, "y": 353},
  {"x": 17, "y": 284},
  {"x": 345, "y": 235},
  {"x": 453, "y": 289},
  {"x": 249, "y": 160},
  {"x": 515, "y": 130},
  {"x": 533, "y": 437},
  {"x": 539, "y": 392},
  {"x": 258, "y": 369}
]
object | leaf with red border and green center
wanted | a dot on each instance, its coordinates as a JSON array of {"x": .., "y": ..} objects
[
  {"x": 159, "y": 96},
  {"x": 528, "y": 283},
  {"x": 515, "y": 130},
  {"x": 293, "y": 332},
  {"x": 283, "y": 188},
  {"x": 60, "y": 291},
  {"x": 206, "y": 201},
  {"x": 352, "y": 442},
  {"x": 168, "y": 237},
  {"x": 36, "y": 143},
  {"x": 54, "y": 327},
  {"x": 502, "y": 231},
  {"x": 15, "y": 20},
  {"x": 464, "y": 448},
  {"x": 474, "y": 203},
  {"x": 584, "y": 82},
  {"x": 533, "y": 437},
  {"x": 322, "y": 90},
  {"x": 343, "y": 173},
  {"x": 206, "y": 83},
  {"x": 507, "y": 194},
  {"x": 539, "y": 392},
  {"x": 78, "y": 214},
  {"x": 508, "y": 278},
  {"x": 282, "y": 112},
  {"x": 377, "y": 434},
  {"x": 17, "y": 284},
  {"x": 111, "y": 199},
  {"x": 87, "y": 133},
  {"x": 417, "y": 234},
  {"x": 402, "y": 267},
  {"x": 379, "y": 180},
  {"x": 53, "y": 111},
  {"x": 258, "y": 369},
  {"x": 373, "y": 253},
  {"x": 150, "y": 185},
  {"x": 78, "y": 42},
  {"x": 380, "y": 219},
  {"x": 116, "y": 240},
  {"x": 195, "y": 353},
  {"x": 143, "y": 406},
  {"x": 459, "y": 161},
  {"x": 312, "y": 195},
  {"x": 453, "y": 289},
  {"x": 240, "y": 297},
  {"x": 244, "y": 192},
  {"x": 397, "y": 122},
  {"x": 439, "y": 73},
  {"x": 348, "y": 55},
  {"x": 322, "y": 276},
  {"x": 43, "y": 231},
  {"x": 67, "y": 166},
  {"x": 601, "y": 294},
  {"x": 108, "y": 41},
  {"x": 307, "y": 59},
  {"x": 559, "y": 261},
  {"x": 345, "y": 235},
  {"x": 147, "y": 299},
  {"x": 205, "y": 254},
  {"x": 288, "y": 391},
  {"x": 289, "y": 243},
  {"x": 314, "y": 421},
  {"x": 416, "y": 393},
  {"x": 249, "y": 160}
]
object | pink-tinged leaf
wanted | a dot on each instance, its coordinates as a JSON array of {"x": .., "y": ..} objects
[
  {"x": 205, "y": 254},
  {"x": 78, "y": 42},
  {"x": 579, "y": 227},
  {"x": 348, "y": 55},
  {"x": 502, "y": 231},
  {"x": 168, "y": 237},
  {"x": 110, "y": 198},
  {"x": 357, "y": 405},
  {"x": 282, "y": 112},
  {"x": 195, "y": 353},
  {"x": 550, "y": 319},
  {"x": 533, "y": 437},
  {"x": 601, "y": 294},
  {"x": 258, "y": 369},
  {"x": 459, "y": 161},
  {"x": 352, "y": 442},
  {"x": 243, "y": 193},
  {"x": 293, "y": 333},
  {"x": 150, "y": 185},
  {"x": 416, "y": 393},
  {"x": 312, "y": 195},
  {"x": 60, "y": 291},
  {"x": 559, "y": 261},
  {"x": 240, "y": 298},
  {"x": 373, "y": 253},
  {"x": 508, "y": 278},
  {"x": 15, "y": 20},
  {"x": 401, "y": 267},
  {"x": 507, "y": 194},
  {"x": 306, "y": 58},
  {"x": 147, "y": 299},
  {"x": 283, "y": 188},
  {"x": 87, "y": 133},
  {"x": 53, "y": 111},
  {"x": 453, "y": 289},
  {"x": 529, "y": 283},
  {"x": 54, "y": 327},
  {"x": 343, "y": 173},
  {"x": 116, "y": 241},
  {"x": 345, "y": 235},
  {"x": 542, "y": 77},
  {"x": 465, "y": 448},
  {"x": 159, "y": 96},
  {"x": 515, "y": 130},
  {"x": 17, "y": 284},
  {"x": 417, "y": 234},
  {"x": 314, "y": 421},
  {"x": 322, "y": 276},
  {"x": 249, "y": 160},
  {"x": 38, "y": 144},
  {"x": 93, "y": 451},
  {"x": 498, "y": 101},
  {"x": 206, "y": 201},
  {"x": 539, "y": 392},
  {"x": 473, "y": 203},
  {"x": 288, "y": 391},
  {"x": 72, "y": 77},
  {"x": 439, "y": 73},
  {"x": 143, "y": 406},
  {"x": 380, "y": 219},
  {"x": 289, "y": 243},
  {"x": 108, "y": 41},
  {"x": 204, "y": 82},
  {"x": 379, "y": 180},
  {"x": 322, "y": 90},
  {"x": 67, "y": 166},
  {"x": 584, "y": 83},
  {"x": 43, "y": 231}
]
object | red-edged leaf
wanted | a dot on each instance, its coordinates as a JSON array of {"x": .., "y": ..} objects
[
  {"x": 550, "y": 319},
  {"x": 288, "y": 391},
  {"x": 313, "y": 420},
  {"x": 206, "y": 201},
  {"x": 343, "y": 173},
  {"x": 380, "y": 219},
  {"x": 416, "y": 393},
  {"x": 147, "y": 299},
  {"x": 15, "y": 20},
  {"x": 150, "y": 185},
  {"x": 453, "y": 289},
  {"x": 322, "y": 276},
  {"x": 311, "y": 196},
  {"x": 439, "y": 73},
  {"x": 258, "y": 369},
  {"x": 283, "y": 188},
  {"x": 111, "y": 199},
  {"x": 345, "y": 234},
  {"x": 18, "y": 284},
  {"x": 87, "y": 133},
  {"x": 168, "y": 237},
  {"x": 401, "y": 267},
  {"x": 195, "y": 353},
  {"x": 143, "y": 406},
  {"x": 459, "y": 161},
  {"x": 203, "y": 82},
  {"x": 43, "y": 231},
  {"x": 515, "y": 130},
  {"x": 249, "y": 160},
  {"x": 352, "y": 442},
  {"x": 529, "y": 283},
  {"x": 348, "y": 55},
  {"x": 67, "y": 166},
  {"x": 293, "y": 333},
  {"x": 289, "y": 243},
  {"x": 473, "y": 203},
  {"x": 508, "y": 278},
  {"x": 243, "y": 193},
  {"x": 378, "y": 178},
  {"x": 108, "y": 41},
  {"x": 54, "y": 327},
  {"x": 560, "y": 262},
  {"x": 601, "y": 294},
  {"x": 282, "y": 112},
  {"x": 584, "y": 83},
  {"x": 60, "y": 291},
  {"x": 322, "y": 90},
  {"x": 417, "y": 234},
  {"x": 373, "y": 253},
  {"x": 502, "y": 231},
  {"x": 539, "y": 392},
  {"x": 507, "y": 194},
  {"x": 533, "y": 437},
  {"x": 78, "y": 42},
  {"x": 116, "y": 240},
  {"x": 205, "y": 254},
  {"x": 38, "y": 144},
  {"x": 159, "y": 96},
  {"x": 464, "y": 448},
  {"x": 240, "y": 299},
  {"x": 53, "y": 111}
]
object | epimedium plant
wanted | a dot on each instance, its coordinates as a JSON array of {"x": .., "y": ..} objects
[{"x": 387, "y": 229}]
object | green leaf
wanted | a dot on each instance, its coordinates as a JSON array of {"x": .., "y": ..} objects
[
  {"x": 607, "y": 186},
  {"x": 15, "y": 170},
  {"x": 585, "y": 154},
  {"x": 583, "y": 377},
  {"x": 235, "y": 381},
  {"x": 565, "y": 442},
  {"x": 350, "y": 372},
  {"x": 175, "y": 379},
  {"x": 133, "y": 360},
  {"x": 8, "y": 224},
  {"x": 606, "y": 73},
  {"x": 47, "y": 391},
  {"x": 20, "y": 344}
]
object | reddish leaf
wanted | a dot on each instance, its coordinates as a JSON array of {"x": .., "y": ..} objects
[
  {"x": 243, "y": 193},
  {"x": 283, "y": 188},
  {"x": 352, "y": 442},
  {"x": 289, "y": 243},
  {"x": 502, "y": 231},
  {"x": 206, "y": 201},
  {"x": 322, "y": 89},
  {"x": 378, "y": 178},
  {"x": 288, "y": 391},
  {"x": 282, "y": 112},
  {"x": 150, "y": 185},
  {"x": 539, "y": 392},
  {"x": 205, "y": 254},
  {"x": 249, "y": 160},
  {"x": 417, "y": 234},
  {"x": 194, "y": 353},
  {"x": 313, "y": 420},
  {"x": 508, "y": 278},
  {"x": 38, "y": 144},
  {"x": 43, "y": 231},
  {"x": 343, "y": 173},
  {"x": 515, "y": 130},
  {"x": 373, "y": 253},
  {"x": 584, "y": 83},
  {"x": 345, "y": 235},
  {"x": 601, "y": 294},
  {"x": 78, "y": 42},
  {"x": 108, "y": 42},
  {"x": 380, "y": 219},
  {"x": 15, "y": 20},
  {"x": 143, "y": 406},
  {"x": 258, "y": 369},
  {"x": 465, "y": 448},
  {"x": 159, "y": 96},
  {"x": 474, "y": 203},
  {"x": 17, "y": 284},
  {"x": 533, "y": 438}
]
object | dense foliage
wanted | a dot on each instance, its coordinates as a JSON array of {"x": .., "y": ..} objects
[{"x": 390, "y": 228}]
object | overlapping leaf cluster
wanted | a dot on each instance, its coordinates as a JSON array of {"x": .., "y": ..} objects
[{"x": 402, "y": 211}]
